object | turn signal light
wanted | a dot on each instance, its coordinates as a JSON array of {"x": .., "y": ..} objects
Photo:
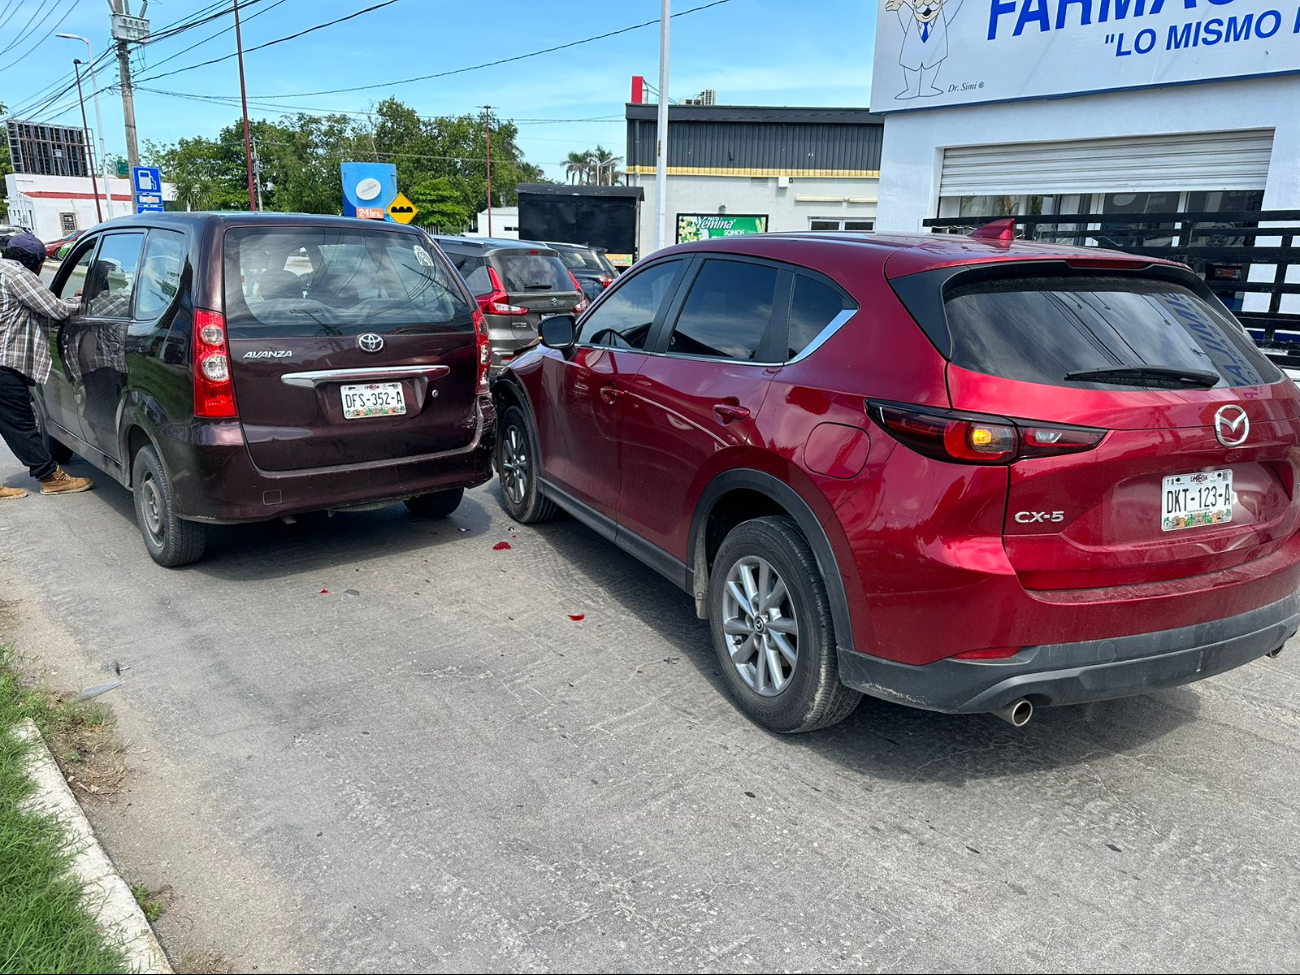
[{"x": 973, "y": 438}]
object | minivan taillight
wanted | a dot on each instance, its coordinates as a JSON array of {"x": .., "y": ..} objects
[
  {"x": 214, "y": 389},
  {"x": 581, "y": 306},
  {"x": 974, "y": 438},
  {"x": 482, "y": 351},
  {"x": 496, "y": 301}
]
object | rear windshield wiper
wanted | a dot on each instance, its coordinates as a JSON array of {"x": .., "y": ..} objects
[{"x": 1159, "y": 376}]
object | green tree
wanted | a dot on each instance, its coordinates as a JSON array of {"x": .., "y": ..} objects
[{"x": 441, "y": 205}]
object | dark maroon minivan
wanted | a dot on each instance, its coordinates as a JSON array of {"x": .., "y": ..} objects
[{"x": 244, "y": 367}]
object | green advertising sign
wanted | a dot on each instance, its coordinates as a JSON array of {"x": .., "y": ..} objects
[{"x": 702, "y": 226}]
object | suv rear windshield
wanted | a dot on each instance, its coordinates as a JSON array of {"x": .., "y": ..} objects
[
  {"x": 1042, "y": 329},
  {"x": 305, "y": 279},
  {"x": 582, "y": 260},
  {"x": 522, "y": 272}
]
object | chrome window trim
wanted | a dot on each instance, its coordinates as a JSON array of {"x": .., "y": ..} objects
[
  {"x": 824, "y": 335},
  {"x": 315, "y": 378}
]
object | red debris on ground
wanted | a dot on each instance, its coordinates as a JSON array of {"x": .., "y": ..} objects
[
  {"x": 500, "y": 546},
  {"x": 577, "y": 618}
]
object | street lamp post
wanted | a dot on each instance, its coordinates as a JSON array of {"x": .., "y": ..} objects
[{"x": 99, "y": 120}]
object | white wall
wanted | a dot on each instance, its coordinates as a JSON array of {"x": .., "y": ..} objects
[
  {"x": 914, "y": 141},
  {"x": 785, "y": 209},
  {"x": 32, "y": 205},
  {"x": 505, "y": 223}
]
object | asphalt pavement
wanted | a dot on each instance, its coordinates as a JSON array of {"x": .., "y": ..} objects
[{"x": 371, "y": 743}]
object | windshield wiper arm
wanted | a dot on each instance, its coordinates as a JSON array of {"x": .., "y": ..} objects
[{"x": 1162, "y": 376}]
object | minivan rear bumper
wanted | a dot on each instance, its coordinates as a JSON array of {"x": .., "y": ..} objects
[
  {"x": 215, "y": 480},
  {"x": 1074, "y": 673}
]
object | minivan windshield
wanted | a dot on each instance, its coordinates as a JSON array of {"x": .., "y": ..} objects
[
  {"x": 523, "y": 271},
  {"x": 1100, "y": 332},
  {"x": 311, "y": 279}
]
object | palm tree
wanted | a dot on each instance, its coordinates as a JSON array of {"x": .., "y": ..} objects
[{"x": 575, "y": 167}]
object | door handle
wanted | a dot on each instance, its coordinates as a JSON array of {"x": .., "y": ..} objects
[
  {"x": 730, "y": 411},
  {"x": 612, "y": 394}
]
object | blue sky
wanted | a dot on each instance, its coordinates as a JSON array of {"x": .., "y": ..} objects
[{"x": 767, "y": 52}]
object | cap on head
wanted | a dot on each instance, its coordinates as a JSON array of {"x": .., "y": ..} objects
[{"x": 26, "y": 243}]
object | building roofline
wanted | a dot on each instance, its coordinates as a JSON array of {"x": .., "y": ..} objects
[
  {"x": 756, "y": 113},
  {"x": 567, "y": 189}
]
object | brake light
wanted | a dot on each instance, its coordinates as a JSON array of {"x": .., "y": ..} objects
[
  {"x": 605, "y": 281},
  {"x": 483, "y": 351},
  {"x": 581, "y": 306},
  {"x": 214, "y": 389},
  {"x": 973, "y": 438},
  {"x": 496, "y": 302}
]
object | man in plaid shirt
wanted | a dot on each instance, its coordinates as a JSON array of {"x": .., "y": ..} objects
[{"x": 27, "y": 309}]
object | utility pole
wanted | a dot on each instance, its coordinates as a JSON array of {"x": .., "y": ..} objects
[
  {"x": 257, "y": 173},
  {"x": 85, "y": 128},
  {"x": 661, "y": 143},
  {"x": 99, "y": 120},
  {"x": 127, "y": 28},
  {"x": 243, "y": 98},
  {"x": 487, "y": 111}
]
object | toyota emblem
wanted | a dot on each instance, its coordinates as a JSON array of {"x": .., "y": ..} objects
[
  {"x": 370, "y": 342},
  {"x": 1231, "y": 425}
]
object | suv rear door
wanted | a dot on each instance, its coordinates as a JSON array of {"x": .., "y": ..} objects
[
  {"x": 1164, "y": 495},
  {"x": 350, "y": 345},
  {"x": 536, "y": 279}
]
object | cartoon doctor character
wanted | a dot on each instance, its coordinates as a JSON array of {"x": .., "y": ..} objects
[{"x": 925, "y": 42}]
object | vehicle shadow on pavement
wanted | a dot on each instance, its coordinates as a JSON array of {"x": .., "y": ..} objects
[
  {"x": 318, "y": 541},
  {"x": 884, "y": 740}
]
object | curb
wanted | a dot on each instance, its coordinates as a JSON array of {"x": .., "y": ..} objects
[{"x": 106, "y": 894}]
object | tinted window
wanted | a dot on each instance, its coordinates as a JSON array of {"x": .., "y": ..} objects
[
  {"x": 581, "y": 260},
  {"x": 318, "y": 279},
  {"x": 76, "y": 279},
  {"x": 160, "y": 274},
  {"x": 475, "y": 272},
  {"x": 813, "y": 307},
  {"x": 522, "y": 271},
  {"x": 727, "y": 312},
  {"x": 112, "y": 276},
  {"x": 1040, "y": 329},
  {"x": 624, "y": 319}
]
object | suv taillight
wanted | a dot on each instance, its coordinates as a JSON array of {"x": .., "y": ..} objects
[
  {"x": 974, "y": 438},
  {"x": 581, "y": 306},
  {"x": 214, "y": 389},
  {"x": 483, "y": 351},
  {"x": 605, "y": 280},
  {"x": 495, "y": 302}
]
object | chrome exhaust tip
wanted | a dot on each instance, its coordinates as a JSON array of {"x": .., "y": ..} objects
[
  {"x": 1274, "y": 653},
  {"x": 1017, "y": 713}
]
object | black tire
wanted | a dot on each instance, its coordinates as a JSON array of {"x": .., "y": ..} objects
[
  {"x": 811, "y": 696},
  {"x": 171, "y": 541},
  {"x": 440, "y": 504},
  {"x": 58, "y": 451},
  {"x": 517, "y": 468}
]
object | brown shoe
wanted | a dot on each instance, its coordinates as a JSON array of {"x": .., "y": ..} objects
[
  {"x": 11, "y": 494},
  {"x": 60, "y": 483}
]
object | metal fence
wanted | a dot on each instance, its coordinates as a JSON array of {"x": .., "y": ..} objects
[{"x": 1223, "y": 248}]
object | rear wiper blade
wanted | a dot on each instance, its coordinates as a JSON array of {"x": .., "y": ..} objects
[{"x": 1161, "y": 376}]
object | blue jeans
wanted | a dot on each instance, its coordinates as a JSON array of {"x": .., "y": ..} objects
[{"x": 18, "y": 424}]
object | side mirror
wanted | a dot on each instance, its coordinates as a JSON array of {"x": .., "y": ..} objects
[{"x": 559, "y": 332}]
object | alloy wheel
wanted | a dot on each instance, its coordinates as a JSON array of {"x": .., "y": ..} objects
[
  {"x": 152, "y": 504},
  {"x": 514, "y": 465},
  {"x": 759, "y": 625}
]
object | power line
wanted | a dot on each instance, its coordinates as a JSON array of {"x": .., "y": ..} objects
[
  {"x": 67, "y": 12},
  {"x": 489, "y": 64},
  {"x": 25, "y": 32},
  {"x": 279, "y": 40}
]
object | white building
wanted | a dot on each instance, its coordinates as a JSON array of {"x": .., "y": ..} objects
[
  {"x": 748, "y": 169},
  {"x": 52, "y": 206},
  {"x": 1016, "y": 107},
  {"x": 505, "y": 224}
]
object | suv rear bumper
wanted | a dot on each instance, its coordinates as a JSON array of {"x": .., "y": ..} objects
[
  {"x": 216, "y": 481},
  {"x": 1073, "y": 673}
]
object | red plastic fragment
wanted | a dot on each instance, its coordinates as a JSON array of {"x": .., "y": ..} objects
[
  {"x": 577, "y": 618},
  {"x": 500, "y": 546}
]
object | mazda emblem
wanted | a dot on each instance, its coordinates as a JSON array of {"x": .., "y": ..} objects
[
  {"x": 1231, "y": 425},
  {"x": 370, "y": 342}
]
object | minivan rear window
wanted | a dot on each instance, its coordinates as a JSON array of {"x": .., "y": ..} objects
[
  {"x": 291, "y": 279},
  {"x": 522, "y": 272},
  {"x": 1042, "y": 329}
]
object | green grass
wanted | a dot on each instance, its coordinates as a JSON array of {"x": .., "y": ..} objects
[
  {"x": 152, "y": 906},
  {"x": 43, "y": 925}
]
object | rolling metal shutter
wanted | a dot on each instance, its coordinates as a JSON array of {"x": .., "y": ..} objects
[{"x": 1195, "y": 161}]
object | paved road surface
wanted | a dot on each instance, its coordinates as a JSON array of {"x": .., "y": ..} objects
[{"x": 431, "y": 767}]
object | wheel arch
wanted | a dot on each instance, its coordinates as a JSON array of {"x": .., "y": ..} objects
[{"x": 756, "y": 494}]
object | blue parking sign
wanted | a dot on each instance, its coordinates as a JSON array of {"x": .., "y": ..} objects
[{"x": 146, "y": 185}]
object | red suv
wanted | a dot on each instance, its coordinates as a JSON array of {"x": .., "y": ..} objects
[{"x": 961, "y": 474}]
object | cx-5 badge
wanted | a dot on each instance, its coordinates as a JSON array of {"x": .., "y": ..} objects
[
  {"x": 1231, "y": 425},
  {"x": 370, "y": 342}
]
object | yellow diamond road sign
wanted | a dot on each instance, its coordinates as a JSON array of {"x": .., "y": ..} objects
[{"x": 402, "y": 210}]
